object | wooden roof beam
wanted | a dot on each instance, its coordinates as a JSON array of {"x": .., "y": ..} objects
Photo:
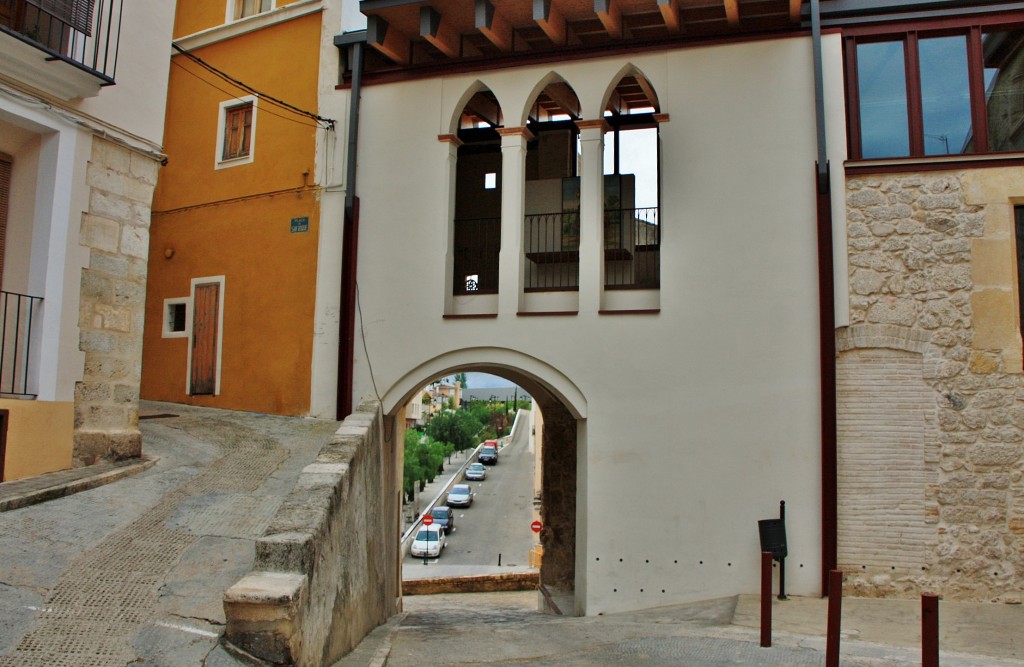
[
  {"x": 493, "y": 25},
  {"x": 615, "y": 104},
  {"x": 794, "y": 10},
  {"x": 550, "y": 20},
  {"x": 388, "y": 40},
  {"x": 645, "y": 85},
  {"x": 484, "y": 109},
  {"x": 670, "y": 14},
  {"x": 439, "y": 32},
  {"x": 610, "y": 13},
  {"x": 732, "y": 12},
  {"x": 563, "y": 96}
]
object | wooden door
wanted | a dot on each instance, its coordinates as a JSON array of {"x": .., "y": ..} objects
[
  {"x": 4, "y": 417},
  {"x": 205, "y": 316}
]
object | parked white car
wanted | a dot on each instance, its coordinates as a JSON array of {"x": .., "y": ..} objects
[{"x": 429, "y": 541}]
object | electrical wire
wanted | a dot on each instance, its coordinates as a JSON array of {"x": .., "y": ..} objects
[
  {"x": 262, "y": 109},
  {"x": 329, "y": 122},
  {"x": 370, "y": 366}
]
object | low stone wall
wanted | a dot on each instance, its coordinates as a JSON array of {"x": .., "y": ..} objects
[
  {"x": 326, "y": 570},
  {"x": 484, "y": 583}
]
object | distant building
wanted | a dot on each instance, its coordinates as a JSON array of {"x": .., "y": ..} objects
[
  {"x": 501, "y": 394},
  {"x": 82, "y": 100}
]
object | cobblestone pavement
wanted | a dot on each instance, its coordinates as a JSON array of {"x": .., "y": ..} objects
[{"x": 132, "y": 572}]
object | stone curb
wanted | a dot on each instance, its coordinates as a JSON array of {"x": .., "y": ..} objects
[{"x": 56, "y": 485}]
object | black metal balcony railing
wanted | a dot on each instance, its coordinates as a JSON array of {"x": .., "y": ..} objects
[
  {"x": 552, "y": 246},
  {"x": 632, "y": 248},
  {"x": 19, "y": 312},
  {"x": 84, "y": 33},
  {"x": 477, "y": 242},
  {"x": 551, "y": 243}
]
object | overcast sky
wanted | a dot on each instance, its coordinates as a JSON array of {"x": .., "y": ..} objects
[{"x": 481, "y": 380}]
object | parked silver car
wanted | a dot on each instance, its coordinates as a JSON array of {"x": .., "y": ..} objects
[{"x": 461, "y": 495}]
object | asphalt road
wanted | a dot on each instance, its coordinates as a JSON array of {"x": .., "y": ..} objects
[{"x": 498, "y": 522}]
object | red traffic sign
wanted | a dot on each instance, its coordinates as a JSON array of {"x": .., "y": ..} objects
[
  {"x": 536, "y": 526},
  {"x": 427, "y": 520}
]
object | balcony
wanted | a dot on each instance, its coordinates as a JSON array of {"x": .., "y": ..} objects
[
  {"x": 552, "y": 244},
  {"x": 19, "y": 313},
  {"x": 67, "y": 48},
  {"x": 632, "y": 248}
]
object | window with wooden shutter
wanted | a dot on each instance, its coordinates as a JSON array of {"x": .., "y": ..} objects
[
  {"x": 76, "y": 13},
  {"x": 5, "y": 193},
  {"x": 237, "y": 131}
]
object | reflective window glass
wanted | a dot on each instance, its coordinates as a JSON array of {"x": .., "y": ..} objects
[
  {"x": 1004, "y": 89},
  {"x": 882, "y": 89},
  {"x": 945, "y": 95}
]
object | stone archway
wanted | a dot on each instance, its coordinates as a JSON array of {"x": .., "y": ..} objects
[{"x": 564, "y": 409}]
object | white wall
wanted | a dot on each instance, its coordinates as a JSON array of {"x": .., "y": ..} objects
[
  {"x": 46, "y": 260},
  {"x": 138, "y": 101},
  {"x": 700, "y": 418}
]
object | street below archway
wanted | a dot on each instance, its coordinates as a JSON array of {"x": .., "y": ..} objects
[{"x": 498, "y": 522}]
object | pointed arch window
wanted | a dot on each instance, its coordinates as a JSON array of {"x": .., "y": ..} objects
[
  {"x": 552, "y": 223},
  {"x": 477, "y": 225},
  {"x": 632, "y": 194}
]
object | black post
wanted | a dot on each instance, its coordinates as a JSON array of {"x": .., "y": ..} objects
[{"x": 782, "y": 560}]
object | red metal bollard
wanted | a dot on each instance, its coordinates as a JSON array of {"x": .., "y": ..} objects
[
  {"x": 766, "y": 599},
  {"x": 835, "y": 615},
  {"x": 929, "y": 631}
]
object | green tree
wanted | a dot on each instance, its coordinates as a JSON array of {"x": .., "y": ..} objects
[
  {"x": 459, "y": 429},
  {"x": 424, "y": 460},
  {"x": 461, "y": 378},
  {"x": 412, "y": 470}
]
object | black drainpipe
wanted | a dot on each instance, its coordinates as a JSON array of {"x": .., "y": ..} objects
[
  {"x": 827, "y": 321},
  {"x": 350, "y": 234}
]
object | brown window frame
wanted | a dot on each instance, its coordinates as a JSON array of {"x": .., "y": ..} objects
[
  {"x": 258, "y": 7},
  {"x": 237, "y": 131},
  {"x": 910, "y": 34}
]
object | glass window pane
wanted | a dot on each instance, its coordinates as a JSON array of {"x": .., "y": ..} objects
[
  {"x": 882, "y": 87},
  {"x": 1004, "y": 89},
  {"x": 945, "y": 95}
]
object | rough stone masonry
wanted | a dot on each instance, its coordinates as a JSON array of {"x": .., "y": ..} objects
[
  {"x": 930, "y": 393},
  {"x": 116, "y": 232}
]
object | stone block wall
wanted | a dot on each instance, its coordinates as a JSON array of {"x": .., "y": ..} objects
[
  {"x": 558, "y": 510},
  {"x": 326, "y": 569},
  {"x": 935, "y": 336},
  {"x": 116, "y": 231}
]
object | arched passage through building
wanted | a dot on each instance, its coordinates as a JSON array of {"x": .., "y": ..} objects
[{"x": 564, "y": 412}]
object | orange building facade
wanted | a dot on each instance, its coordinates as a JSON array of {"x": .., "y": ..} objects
[{"x": 231, "y": 295}]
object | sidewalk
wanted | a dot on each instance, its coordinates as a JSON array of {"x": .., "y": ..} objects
[
  {"x": 133, "y": 572},
  {"x": 475, "y": 629}
]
